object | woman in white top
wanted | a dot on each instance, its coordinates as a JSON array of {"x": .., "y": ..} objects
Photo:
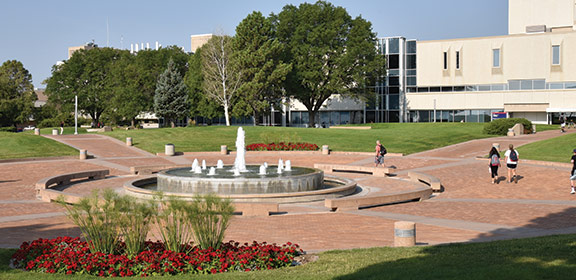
[{"x": 511, "y": 162}]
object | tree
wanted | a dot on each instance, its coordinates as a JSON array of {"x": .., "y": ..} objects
[
  {"x": 200, "y": 104},
  {"x": 171, "y": 98},
  {"x": 330, "y": 52},
  {"x": 258, "y": 54},
  {"x": 221, "y": 77},
  {"x": 16, "y": 93},
  {"x": 87, "y": 74}
]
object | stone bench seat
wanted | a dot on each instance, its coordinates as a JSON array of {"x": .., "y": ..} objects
[
  {"x": 375, "y": 171},
  {"x": 256, "y": 209},
  {"x": 45, "y": 184},
  {"x": 354, "y": 203},
  {"x": 430, "y": 180}
]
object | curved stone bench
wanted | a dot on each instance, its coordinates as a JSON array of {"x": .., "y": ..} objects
[
  {"x": 429, "y": 180},
  {"x": 375, "y": 171},
  {"x": 354, "y": 203},
  {"x": 44, "y": 185}
]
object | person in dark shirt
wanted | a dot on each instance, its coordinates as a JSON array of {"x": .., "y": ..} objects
[{"x": 572, "y": 175}]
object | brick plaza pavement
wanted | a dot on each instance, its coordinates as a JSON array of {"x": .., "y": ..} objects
[{"x": 470, "y": 209}]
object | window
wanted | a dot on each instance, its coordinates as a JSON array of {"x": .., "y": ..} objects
[
  {"x": 457, "y": 59},
  {"x": 393, "y": 45},
  {"x": 393, "y": 61},
  {"x": 411, "y": 62},
  {"x": 445, "y": 60},
  {"x": 496, "y": 58},
  {"x": 411, "y": 47},
  {"x": 556, "y": 55}
]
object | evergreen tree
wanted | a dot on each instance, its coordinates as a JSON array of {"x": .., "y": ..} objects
[{"x": 171, "y": 97}]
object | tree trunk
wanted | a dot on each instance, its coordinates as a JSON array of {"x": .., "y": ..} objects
[
  {"x": 133, "y": 123},
  {"x": 311, "y": 117},
  {"x": 226, "y": 115}
]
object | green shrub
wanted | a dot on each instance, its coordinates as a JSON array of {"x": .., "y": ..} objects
[
  {"x": 8, "y": 129},
  {"x": 135, "y": 219},
  {"x": 173, "y": 223},
  {"x": 97, "y": 219},
  {"x": 501, "y": 126},
  {"x": 210, "y": 216}
]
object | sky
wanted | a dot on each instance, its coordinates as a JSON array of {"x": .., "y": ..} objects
[{"x": 39, "y": 32}]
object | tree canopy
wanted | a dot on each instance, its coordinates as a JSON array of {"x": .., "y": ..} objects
[
  {"x": 171, "y": 98},
  {"x": 16, "y": 93},
  {"x": 330, "y": 52}
]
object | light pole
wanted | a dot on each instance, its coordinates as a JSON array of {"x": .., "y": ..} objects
[{"x": 75, "y": 114}]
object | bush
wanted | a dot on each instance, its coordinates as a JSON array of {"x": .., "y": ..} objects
[
  {"x": 210, "y": 216},
  {"x": 8, "y": 129},
  {"x": 501, "y": 126},
  {"x": 282, "y": 146}
]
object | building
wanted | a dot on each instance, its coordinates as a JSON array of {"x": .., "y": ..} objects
[
  {"x": 197, "y": 41},
  {"x": 87, "y": 46},
  {"x": 529, "y": 73}
]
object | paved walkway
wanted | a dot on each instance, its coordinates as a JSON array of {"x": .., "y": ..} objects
[{"x": 470, "y": 209}]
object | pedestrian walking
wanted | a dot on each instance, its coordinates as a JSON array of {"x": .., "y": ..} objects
[
  {"x": 572, "y": 174},
  {"x": 61, "y": 128},
  {"x": 380, "y": 152},
  {"x": 494, "y": 164},
  {"x": 511, "y": 156}
]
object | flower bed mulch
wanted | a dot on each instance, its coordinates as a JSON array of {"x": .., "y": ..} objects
[
  {"x": 71, "y": 256},
  {"x": 282, "y": 146}
]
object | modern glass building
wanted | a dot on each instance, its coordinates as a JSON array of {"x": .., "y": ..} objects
[{"x": 389, "y": 101}]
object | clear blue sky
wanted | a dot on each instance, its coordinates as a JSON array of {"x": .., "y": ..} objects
[{"x": 39, "y": 32}]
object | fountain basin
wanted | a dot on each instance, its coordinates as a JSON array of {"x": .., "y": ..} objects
[{"x": 181, "y": 180}]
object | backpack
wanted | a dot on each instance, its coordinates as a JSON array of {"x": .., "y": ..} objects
[
  {"x": 494, "y": 161},
  {"x": 382, "y": 150},
  {"x": 513, "y": 155}
]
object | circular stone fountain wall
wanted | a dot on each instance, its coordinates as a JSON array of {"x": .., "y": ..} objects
[{"x": 181, "y": 180}]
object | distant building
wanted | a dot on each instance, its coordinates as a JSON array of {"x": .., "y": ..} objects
[
  {"x": 42, "y": 98},
  {"x": 86, "y": 46},
  {"x": 197, "y": 41}
]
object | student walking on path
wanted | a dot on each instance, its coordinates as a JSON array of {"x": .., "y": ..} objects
[
  {"x": 380, "y": 152},
  {"x": 494, "y": 164},
  {"x": 572, "y": 175},
  {"x": 511, "y": 162}
]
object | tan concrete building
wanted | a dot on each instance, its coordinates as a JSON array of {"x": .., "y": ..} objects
[
  {"x": 86, "y": 46},
  {"x": 197, "y": 41},
  {"x": 529, "y": 73}
]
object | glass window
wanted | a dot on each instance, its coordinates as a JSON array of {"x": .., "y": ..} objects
[
  {"x": 393, "y": 90},
  {"x": 526, "y": 84},
  {"x": 411, "y": 61},
  {"x": 499, "y": 87},
  {"x": 445, "y": 60},
  {"x": 514, "y": 85},
  {"x": 393, "y": 62},
  {"x": 295, "y": 118},
  {"x": 423, "y": 89},
  {"x": 424, "y": 116},
  {"x": 460, "y": 115},
  {"x": 411, "y": 72},
  {"x": 539, "y": 84},
  {"x": 393, "y": 45},
  {"x": 344, "y": 117},
  {"x": 474, "y": 116},
  {"x": 434, "y": 89},
  {"x": 411, "y": 81},
  {"x": 496, "y": 58},
  {"x": 393, "y": 102},
  {"x": 556, "y": 85},
  {"x": 304, "y": 117},
  {"x": 334, "y": 118},
  {"x": 446, "y": 89},
  {"x": 383, "y": 46},
  {"x": 484, "y": 88},
  {"x": 411, "y": 89},
  {"x": 393, "y": 81},
  {"x": 393, "y": 116},
  {"x": 410, "y": 46},
  {"x": 459, "y": 88},
  {"x": 569, "y": 85},
  {"x": 394, "y": 72},
  {"x": 471, "y": 88},
  {"x": 457, "y": 60},
  {"x": 556, "y": 55}
]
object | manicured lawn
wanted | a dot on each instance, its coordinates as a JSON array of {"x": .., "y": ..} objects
[
  {"x": 404, "y": 138},
  {"x": 557, "y": 149},
  {"x": 25, "y": 145},
  {"x": 552, "y": 257}
]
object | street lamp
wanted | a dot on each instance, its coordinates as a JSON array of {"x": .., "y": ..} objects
[{"x": 75, "y": 114}]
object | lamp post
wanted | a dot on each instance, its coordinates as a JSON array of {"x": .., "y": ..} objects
[{"x": 75, "y": 114}]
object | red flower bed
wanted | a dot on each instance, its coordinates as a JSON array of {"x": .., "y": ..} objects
[
  {"x": 282, "y": 146},
  {"x": 72, "y": 256}
]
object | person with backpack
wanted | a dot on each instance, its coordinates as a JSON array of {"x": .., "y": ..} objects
[
  {"x": 511, "y": 162},
  {"x": 380, "y": 152},
  {"x": 494, "y": 164}
]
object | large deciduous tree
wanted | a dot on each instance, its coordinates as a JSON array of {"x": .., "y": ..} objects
[
  {"x": 16, "y": 93},
  {"x": 200, "y": 104},
  {"x": 258, "y": 54},
  {"x": 171, "y": 98},
  {"x": 330, "y": 52},
  {"x": 222, "y": 78},
  {"x": 87, "y": 74}
]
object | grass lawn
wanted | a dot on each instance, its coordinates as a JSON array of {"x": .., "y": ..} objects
[
  {"x": 557, "y": 149},
  {"x": 404, "y": 138},
  {"x": 552, "y": 257},
  {"x": 25, "y": 145}
]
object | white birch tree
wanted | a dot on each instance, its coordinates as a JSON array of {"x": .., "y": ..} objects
[{"x": 221, "y": 77}]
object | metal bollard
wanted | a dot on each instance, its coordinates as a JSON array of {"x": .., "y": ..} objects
[
  {"x": 36, "y": 131},
  {"x": 404, "y": 234}
]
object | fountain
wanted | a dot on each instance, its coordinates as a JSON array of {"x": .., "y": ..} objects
[{"x": 244, "y": 183}]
